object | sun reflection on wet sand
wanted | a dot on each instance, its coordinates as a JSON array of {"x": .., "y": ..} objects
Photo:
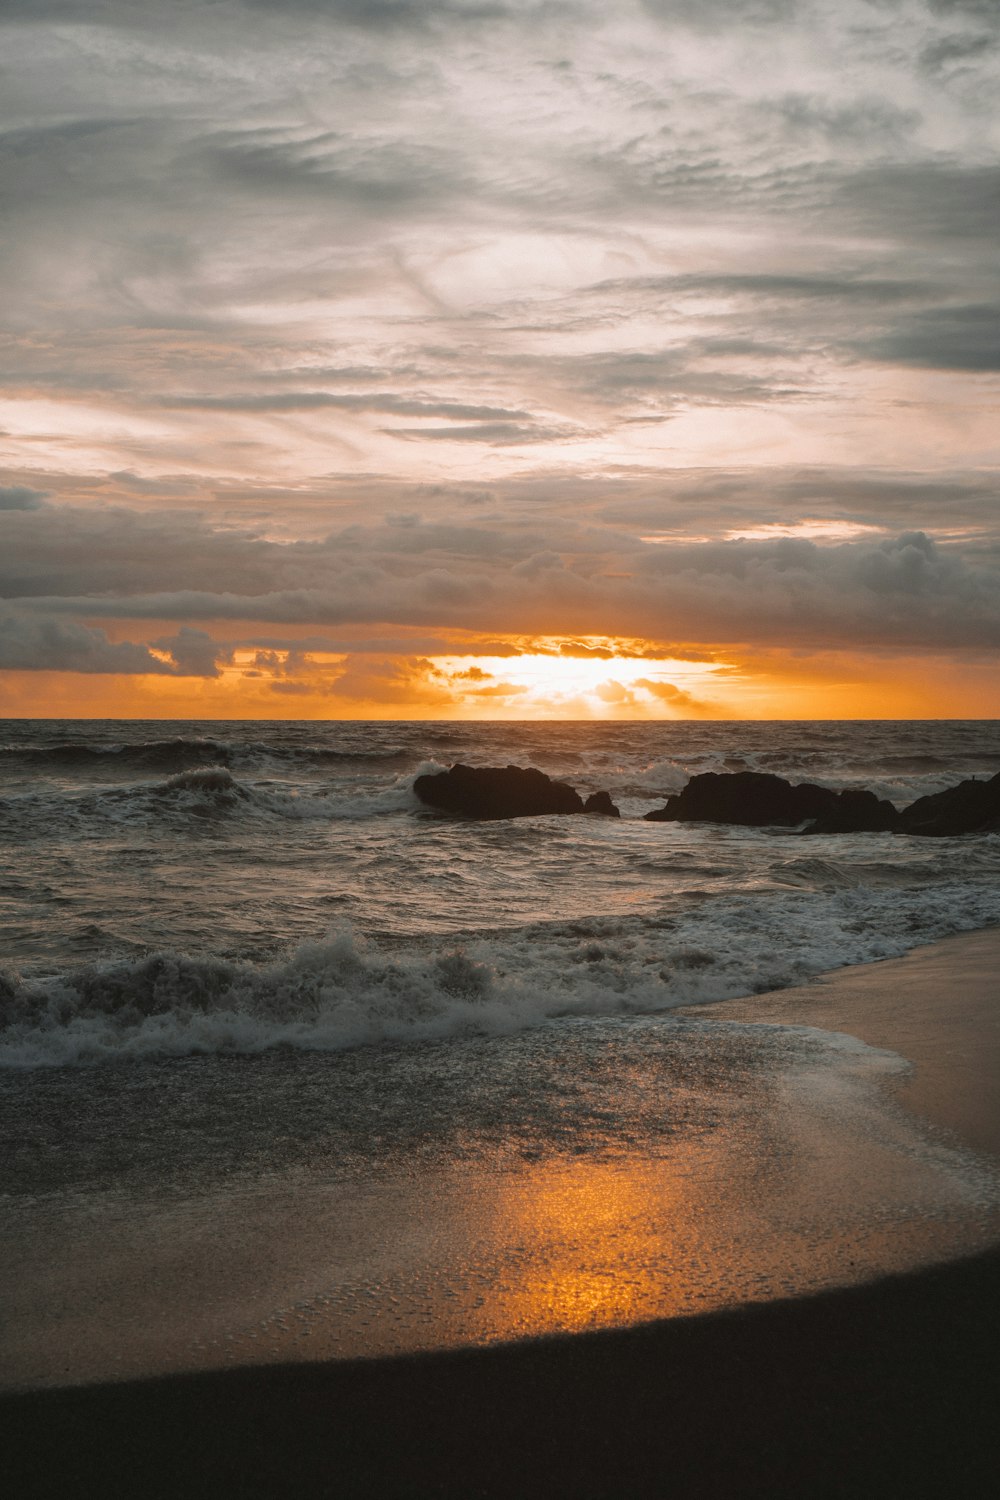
[
  {"x": 590, "y": 1231},
  {"x": 803, "y": 1179}
]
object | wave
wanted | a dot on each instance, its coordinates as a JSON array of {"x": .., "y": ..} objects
[
  {"x": 640, "y": 766},
  {"x": 834, "y": 875},
  {"x": 168, "y": 754},
  {"x": 345, "y": 991},
  {"x": 187, "y": 753},
  {"x": 197, "y": 794}
]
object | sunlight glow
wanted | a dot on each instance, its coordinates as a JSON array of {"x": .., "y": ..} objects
[{"x": 599, "y": 683}]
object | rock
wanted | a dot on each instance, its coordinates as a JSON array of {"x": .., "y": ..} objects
[
  {"x": 751, "y": 798},
  {"x": 755, "y": 799},
  {"x": 856, "y": 812},
  {"x": 601, "y": 803},
  {"x": 970, "y": 807},
  {"x": 496, "y": 792}
]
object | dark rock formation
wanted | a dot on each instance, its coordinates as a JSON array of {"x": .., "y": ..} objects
[
  {"x": 855, "y": 812},
  {"x": 751, "y": 799},
  {"x": 497, "y": 792},
  {"x": 600, "y": 802},
  {"x": 755, "y": 799},
  {"x": 970, "y": 807}
]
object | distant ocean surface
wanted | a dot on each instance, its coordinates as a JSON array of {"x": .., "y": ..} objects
[
  {"x": 177, "y": 888},
  {"x": 232, "y": 950}
]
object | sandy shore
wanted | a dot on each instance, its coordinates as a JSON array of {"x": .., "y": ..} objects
[
  {"x": 880, "y": 1390},
  {"x": 939, "y": 1007}
]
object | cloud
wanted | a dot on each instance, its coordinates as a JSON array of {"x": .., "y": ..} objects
[
  {"x": 712, "y": 13},
  {"x": 956, "y": 48},
  {"x": 376, "y": 401},
  {"x": 194, "y": 653},
  {"x": 366, "y": 15},
  {"x": 982, "y": 9},
  {"x": 925, "y": 203},
  {"x": 405, "y": 15},
  {"x": 45, "y": 645},
  {"x": 496, "y": 434},
  {"x": 769, "y": 285},
  {"x": 62, "y": 549},
  {"x": 718, "y": 500},
  {"x": 674, "y": 697},
  {"x": 19, "y": 497},
  {"x": 409, "y": 681},
  {"x": 942, "y": 338},
  {"x": 581, "y": 580}
]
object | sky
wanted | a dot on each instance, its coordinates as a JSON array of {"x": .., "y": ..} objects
[{"x": 499, "y": 358}]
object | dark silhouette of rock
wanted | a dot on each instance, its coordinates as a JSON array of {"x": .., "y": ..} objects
[
  {"x": 856, "y": 812},
  {"x": 755, "y": 799},
  {"x": 751, "y": 799},
  {"x": 600, "y": 802},
  {"x": 970, "y": 807},
  {"x": 496, "y": 792}
]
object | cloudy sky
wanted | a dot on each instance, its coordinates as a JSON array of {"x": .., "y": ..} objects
[{"x": 429, "y": 358}]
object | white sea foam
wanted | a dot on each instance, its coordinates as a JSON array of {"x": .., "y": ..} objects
[{"x": 344, "y": 992}]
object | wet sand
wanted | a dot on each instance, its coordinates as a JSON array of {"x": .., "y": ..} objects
[
  {"x": 939, "y": 1007},
  {"x": 881, "y": 1390}
]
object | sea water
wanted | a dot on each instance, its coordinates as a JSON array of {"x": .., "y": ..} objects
[{"x": 276, "y": 1036}]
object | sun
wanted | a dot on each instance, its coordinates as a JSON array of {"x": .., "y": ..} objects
[{"x": 594, "y": 678}]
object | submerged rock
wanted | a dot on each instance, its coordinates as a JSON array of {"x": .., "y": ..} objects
[
  {"x": 497, "y": 792},
  {"x": 970, "y": 807},
  {"x": 756, "y": 799}
]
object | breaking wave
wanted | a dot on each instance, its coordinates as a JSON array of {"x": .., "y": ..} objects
[{"x": 345, "y": 992}]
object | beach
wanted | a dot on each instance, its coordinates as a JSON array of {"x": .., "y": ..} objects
[
  {"x": 499, "y": 750},
  {"x": 881, "y": 1388}
]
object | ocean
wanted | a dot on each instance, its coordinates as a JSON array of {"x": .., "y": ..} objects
[{"x": 291, "y": 1065}]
